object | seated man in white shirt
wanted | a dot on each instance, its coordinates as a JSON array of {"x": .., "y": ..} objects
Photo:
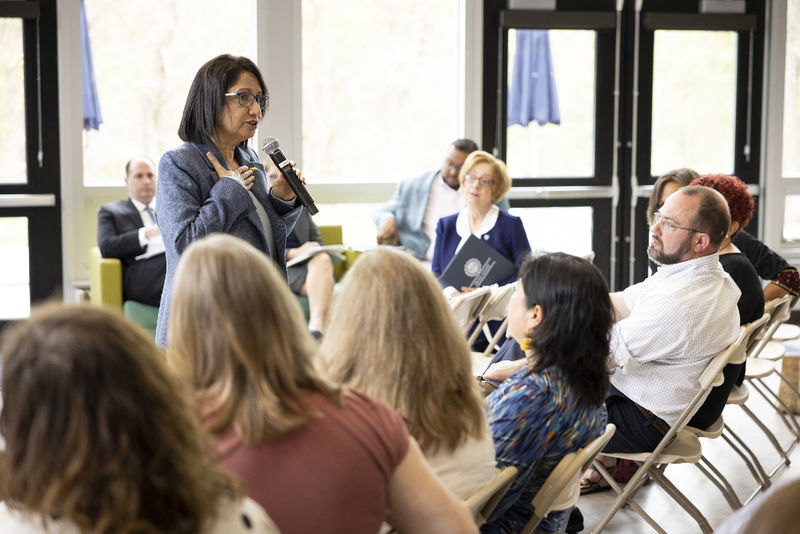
[
  {"x": 670, "y": 326},
  {"x": 409, "y": 219},
  {"x": 127, "y": 230}
]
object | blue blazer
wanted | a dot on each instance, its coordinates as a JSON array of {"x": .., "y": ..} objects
[
  {"x": 507, "y": 236},
  {"x": 194, "y": 202}
]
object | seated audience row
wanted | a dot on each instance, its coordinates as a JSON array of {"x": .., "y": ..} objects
[{"x": 318, "y": 457}]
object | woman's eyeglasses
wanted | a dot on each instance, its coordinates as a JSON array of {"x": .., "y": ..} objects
[
  {"x": 246, "y": 100},
  {"x": 483, "y": 181}
]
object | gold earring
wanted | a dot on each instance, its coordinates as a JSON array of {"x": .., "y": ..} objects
[{"x": 527, "y": 344}]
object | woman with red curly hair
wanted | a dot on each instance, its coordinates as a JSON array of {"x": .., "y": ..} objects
[{"x": 736, "y": 264}]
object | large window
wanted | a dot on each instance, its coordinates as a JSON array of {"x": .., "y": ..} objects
[
  {"x": 380, "y": 86},
  {"x": 12, "y": 120},
  {"x": 552, "y": 150},
  {"x": 791, "y": 93},
  {"x": 694, "y": 96},
  {"x": 146, "y": 54}
]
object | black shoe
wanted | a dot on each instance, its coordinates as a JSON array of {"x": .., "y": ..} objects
[{"x": 575, "y": 523}]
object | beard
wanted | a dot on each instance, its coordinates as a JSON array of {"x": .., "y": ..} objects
[{"x": 662, "y": 258}]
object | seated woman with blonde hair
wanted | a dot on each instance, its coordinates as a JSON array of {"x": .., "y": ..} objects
[
  {"x": 317, "y": 458},
  {"x": 100, "y": 438},
  {"x": 393, "y": 336}
]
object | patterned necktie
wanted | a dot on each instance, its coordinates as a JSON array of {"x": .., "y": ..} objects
[{"x": 150, "y": 212}]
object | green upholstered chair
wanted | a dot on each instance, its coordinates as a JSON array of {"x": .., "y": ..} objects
[{"x": 105, "y": 289}]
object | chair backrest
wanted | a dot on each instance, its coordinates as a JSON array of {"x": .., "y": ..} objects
[
  {"x": 496, "y": 309},
  {"x": 483, "y": 502},
  {"x": 779, "y": 311},
  {"x": 562, "y": 488},
  {"x": 105, "y": 288},
  {"x": 753, "y": 332},
  {"x": 331, "y": 235},
  {"x": 467, "y": 306}
]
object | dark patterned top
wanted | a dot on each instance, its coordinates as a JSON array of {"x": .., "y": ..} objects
[
  {"x": 536, "y": 419},
  {"x": 769, "y": 265}
]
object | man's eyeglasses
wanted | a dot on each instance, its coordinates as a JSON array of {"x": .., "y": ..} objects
[
  {"x": 669, "y": 225},
  {"x": 246, "y": 100},
  {"x": 483, "y": 181}
]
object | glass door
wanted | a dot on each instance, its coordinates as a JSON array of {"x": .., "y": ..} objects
[
  {"x": 589, "y": 102},
  {"x": 698, "y": 107},
  {"x": 30, "y": 224},
  {"x": 553, "y": 121}
]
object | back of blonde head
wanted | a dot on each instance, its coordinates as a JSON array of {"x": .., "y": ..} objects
[
  {"x": 392, "y": 335},
  {"x": 238, "y": 337}
]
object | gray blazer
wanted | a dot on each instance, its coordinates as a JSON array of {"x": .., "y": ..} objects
[{"x": 193, "y": 202}]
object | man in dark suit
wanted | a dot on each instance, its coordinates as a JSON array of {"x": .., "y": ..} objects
[{"x": 127, "y": 230}]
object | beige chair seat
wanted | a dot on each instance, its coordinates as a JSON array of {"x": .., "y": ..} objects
[
  {"x": 739, "y": 394},
  {"x": 786, "y": 331},
  {"x": 685, "y": 448},
  {"x": 773, "y": 351},
  {"x": 758, "y": 368},
  {"x": 714, "y": 431}
]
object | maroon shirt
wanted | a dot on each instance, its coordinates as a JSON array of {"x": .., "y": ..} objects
[{"x": 329, "y": 476}]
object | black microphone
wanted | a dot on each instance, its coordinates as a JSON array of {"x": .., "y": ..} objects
[{"x": 271, "y": 149}]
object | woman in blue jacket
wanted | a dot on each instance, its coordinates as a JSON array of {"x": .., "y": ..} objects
[
  {"x": 214, "y": 182},
  {"x": 484, "y": 181}
]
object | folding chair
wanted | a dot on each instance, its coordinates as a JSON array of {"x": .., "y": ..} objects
[
  {"x": 467, "y": 306},
  {"x": 718, "y": 428},
  {"x": 562, "y": 487},
  {"x": 496, "y": 309},
  {"x": 483, "y": 502},
  {"x": 677, "y": 446},
  {"x": 758, "y": 368}
]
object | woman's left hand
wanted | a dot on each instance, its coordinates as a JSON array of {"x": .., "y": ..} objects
[{"x": 281, "y": 188}]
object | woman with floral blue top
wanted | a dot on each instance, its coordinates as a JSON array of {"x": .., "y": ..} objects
[{"x": 560, "y": 314}]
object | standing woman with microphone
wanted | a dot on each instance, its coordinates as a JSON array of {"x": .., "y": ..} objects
[{"x": 214, "y": 182}]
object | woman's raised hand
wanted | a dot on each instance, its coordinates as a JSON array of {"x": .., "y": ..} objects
[{"x": 245, "y": 175}]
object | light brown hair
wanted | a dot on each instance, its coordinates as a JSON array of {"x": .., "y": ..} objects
[
  {"x": 502, "y": 182},
  {"x": 97, "y": 431},
  {"x": 392, "y": 335},
  {"x": 238, "y": 337}
]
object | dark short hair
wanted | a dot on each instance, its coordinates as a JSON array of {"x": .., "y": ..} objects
[
  {"x": 464, "y": 145},
  {"x": 577, "y": 317},
  {"x": 740, "y": 201},
  {"x": 207, "y": 96},
  {"x": 137, "y": 158},
  {"x": 712, "y": 215},
  {"x": 681, "y": 177}
]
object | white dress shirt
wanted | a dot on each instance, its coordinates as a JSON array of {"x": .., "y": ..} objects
[
  {"x": 153, "y": 245},
  {"x": 443, "y": 201},
  {"x": 681, "y": 317}
]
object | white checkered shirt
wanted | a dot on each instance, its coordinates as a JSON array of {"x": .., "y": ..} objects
[{"x": 681, "y": 317}]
